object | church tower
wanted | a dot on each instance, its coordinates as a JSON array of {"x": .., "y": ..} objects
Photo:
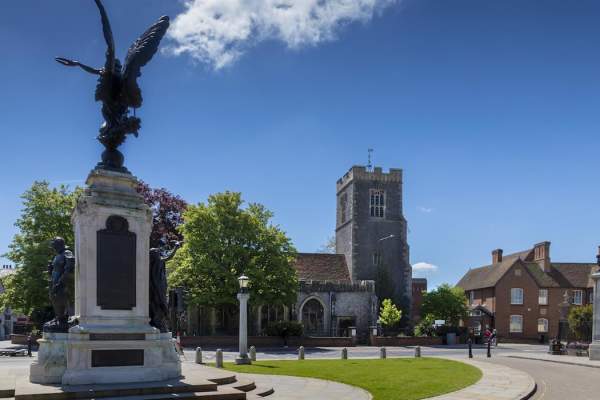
[{"x": 372, "y": 233}]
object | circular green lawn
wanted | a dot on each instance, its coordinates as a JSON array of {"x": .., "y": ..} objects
[{"x": 388, "y": 379}]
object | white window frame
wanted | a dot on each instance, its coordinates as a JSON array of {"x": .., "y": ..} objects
[
  {"x": 514, "y": 298},
  {"x": 543, "y": 323},
  {"x": 471, "y": 297},
  {"x": 516, "y": 324},
  {"x": 377, "y": 203},
  {"x": 543, "y": 299},
  {"x": 578, "y": 297}
]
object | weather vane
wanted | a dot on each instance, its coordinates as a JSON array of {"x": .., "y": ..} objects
[{"x": 118, "y": 89}]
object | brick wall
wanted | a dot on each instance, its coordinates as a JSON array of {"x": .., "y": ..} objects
[
  {"x": 406, "y": 340},
  {"x": 265, "y": 341}
]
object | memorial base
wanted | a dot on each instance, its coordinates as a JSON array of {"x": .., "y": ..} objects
[
  {"x": 595, "y": 350},
  {"x": 52, "y": 359}
]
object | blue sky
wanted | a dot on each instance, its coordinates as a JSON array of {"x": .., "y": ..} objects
[{"x": 490, "y": 107}]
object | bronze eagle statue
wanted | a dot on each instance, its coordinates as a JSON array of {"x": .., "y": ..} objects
[{"x": 118, "y": 89}]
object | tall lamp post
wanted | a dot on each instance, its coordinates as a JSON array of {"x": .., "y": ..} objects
[{"x": 243, "y": 297}]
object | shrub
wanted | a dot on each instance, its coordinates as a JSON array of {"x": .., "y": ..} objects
[
  {"x": 580, "y": 322},
  {"x": 389, "y": 315},
  {"x": 284, "y": 329}
]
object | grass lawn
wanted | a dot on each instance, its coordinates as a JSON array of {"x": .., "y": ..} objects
[{"x": 389, "y": 379}]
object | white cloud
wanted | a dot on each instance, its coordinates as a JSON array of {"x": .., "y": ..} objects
[
  {"x": 218, "y": 32},
  {"x": 425, "y": 209},
  {"x": 421, "y": 269}
]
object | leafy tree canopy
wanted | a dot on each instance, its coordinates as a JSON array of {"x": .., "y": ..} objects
[
  {"x": 447, "y": 303},
  {"x": 223, "y": 240},
  {"x": 389, "y": 314},
  {"x": 580, "y": 321},
  {"x": 46, "y": 214},
  {"x": 167, "y": 213}
]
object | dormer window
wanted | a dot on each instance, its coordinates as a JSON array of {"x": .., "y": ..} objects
[{"x": 377, "y": 203}]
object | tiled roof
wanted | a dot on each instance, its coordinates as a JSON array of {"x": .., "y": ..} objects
[
  {"x": 322, "y": 267},
  {"x": 563, "y": 275},
  {"x": 488, "y": 276}
]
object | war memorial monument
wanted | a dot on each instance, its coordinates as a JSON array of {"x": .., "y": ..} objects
[{"x": 117, "y": 333}]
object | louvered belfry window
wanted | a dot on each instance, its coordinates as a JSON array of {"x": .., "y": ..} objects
[{"x": 377, "y": 203}]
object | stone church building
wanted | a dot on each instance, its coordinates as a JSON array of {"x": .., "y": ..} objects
[{"x": 338, "y": 292}]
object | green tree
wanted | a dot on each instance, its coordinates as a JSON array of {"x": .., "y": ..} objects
[
  {"x": 46, "y": 214},
  {"x": 580, "y": 321},
  {"x": 223, "y": 240},
  {"x": 447, "y": 303},
  {"x": 389, "y": 314}
]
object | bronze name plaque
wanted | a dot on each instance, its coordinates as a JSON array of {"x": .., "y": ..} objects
[
  {"x": 115, "y": 267},
  {"x": 117, "y": 358}
]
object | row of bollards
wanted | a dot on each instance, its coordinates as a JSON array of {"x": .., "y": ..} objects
[
  {"x": 344, "y": 354},
  {"x": 489, "y": 348}
]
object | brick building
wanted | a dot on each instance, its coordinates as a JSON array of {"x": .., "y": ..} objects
[
  {"x": 419, "y": 287},
  {"x": 519, "y": 294}
]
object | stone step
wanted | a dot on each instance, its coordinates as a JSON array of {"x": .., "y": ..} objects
[
  {"x": 261, "y": 391},
  {"x": 224, "y": 379},
  {"x": 25, "y": 390},
  {"x": 245, "y": 385},
  {"x": 220, "y": 394}
]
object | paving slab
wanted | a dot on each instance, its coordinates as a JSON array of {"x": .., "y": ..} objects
[
  {"x": 498, "y": 382},
  {"x": 563, "y": 359}
]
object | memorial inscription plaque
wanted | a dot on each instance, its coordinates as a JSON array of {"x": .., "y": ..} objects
[
  {"x": 116, "y": 265},
  {"x": 117, "y": 358}
]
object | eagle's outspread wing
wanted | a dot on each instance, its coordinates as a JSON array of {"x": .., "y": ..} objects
[
  {"x": 108, "y": 37},
  {"x": 138, "y": 55},
  {"x": 104, "y": 87}
]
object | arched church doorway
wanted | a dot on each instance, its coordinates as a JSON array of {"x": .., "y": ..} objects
[{"x": 313, "y": 317}]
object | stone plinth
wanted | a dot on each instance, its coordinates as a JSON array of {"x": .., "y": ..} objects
[
  {"x": 595, "y": 345},
  {"x": 113, "y": 341}
]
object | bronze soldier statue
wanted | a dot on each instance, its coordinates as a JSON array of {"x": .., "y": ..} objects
[
  {"x": 159, "y": 309},
  {"x": 60, "y": 270}
]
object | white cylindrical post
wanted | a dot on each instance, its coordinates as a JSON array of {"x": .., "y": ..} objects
[
  {"x": 252, "y": 353},
  {"x": 417, "y": 351},
  {"x": 198, "y": 355},
  {"x": 243, "y": 356},
  {"x": 219, "y": 358},
  {"x": 301, "y": 353},
  {"x": 594, "y": 349}
]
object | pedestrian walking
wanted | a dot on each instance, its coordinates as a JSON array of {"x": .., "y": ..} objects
[{"x": 29, "y": 344}]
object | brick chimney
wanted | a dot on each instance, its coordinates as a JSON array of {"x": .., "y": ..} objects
[
  {"x": 541, "y": 255},
  {"x": 496, "y": 256}
]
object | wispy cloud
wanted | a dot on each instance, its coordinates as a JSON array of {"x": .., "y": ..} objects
[
  {"x": 218, "y": 32},
  {"x": 425, "y": 210},
  {"x": 421, "y": 269}
]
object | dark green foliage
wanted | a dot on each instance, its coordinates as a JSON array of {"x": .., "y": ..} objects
[
  {"x": 46, "y": 214},
  {"x": 445, "y": 303},
  {"x": 580, "y": 321},
  {"x": 223, "y": 240},
  {"x": 285, "y": 329}
]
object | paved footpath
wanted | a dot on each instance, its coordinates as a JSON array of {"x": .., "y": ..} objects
[{"x": 497, "y": 383}]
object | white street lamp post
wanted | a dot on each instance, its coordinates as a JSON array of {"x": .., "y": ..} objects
[{"x": 243, "y": 297}]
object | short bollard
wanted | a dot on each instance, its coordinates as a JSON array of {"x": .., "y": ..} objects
[
  {"x": 382, "y": 352},
  {"x": 301, "y": 353},
  {"x": 198, "y": 355},
  {"x": 418, "y": 352},
  {"x": 252, "y": 353},
  {"x": 344, "y": 353},
  {"x": 219, "y": 358},
  {"x": 489, "y": 348},
  {"x": 470, "y": 343}
]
